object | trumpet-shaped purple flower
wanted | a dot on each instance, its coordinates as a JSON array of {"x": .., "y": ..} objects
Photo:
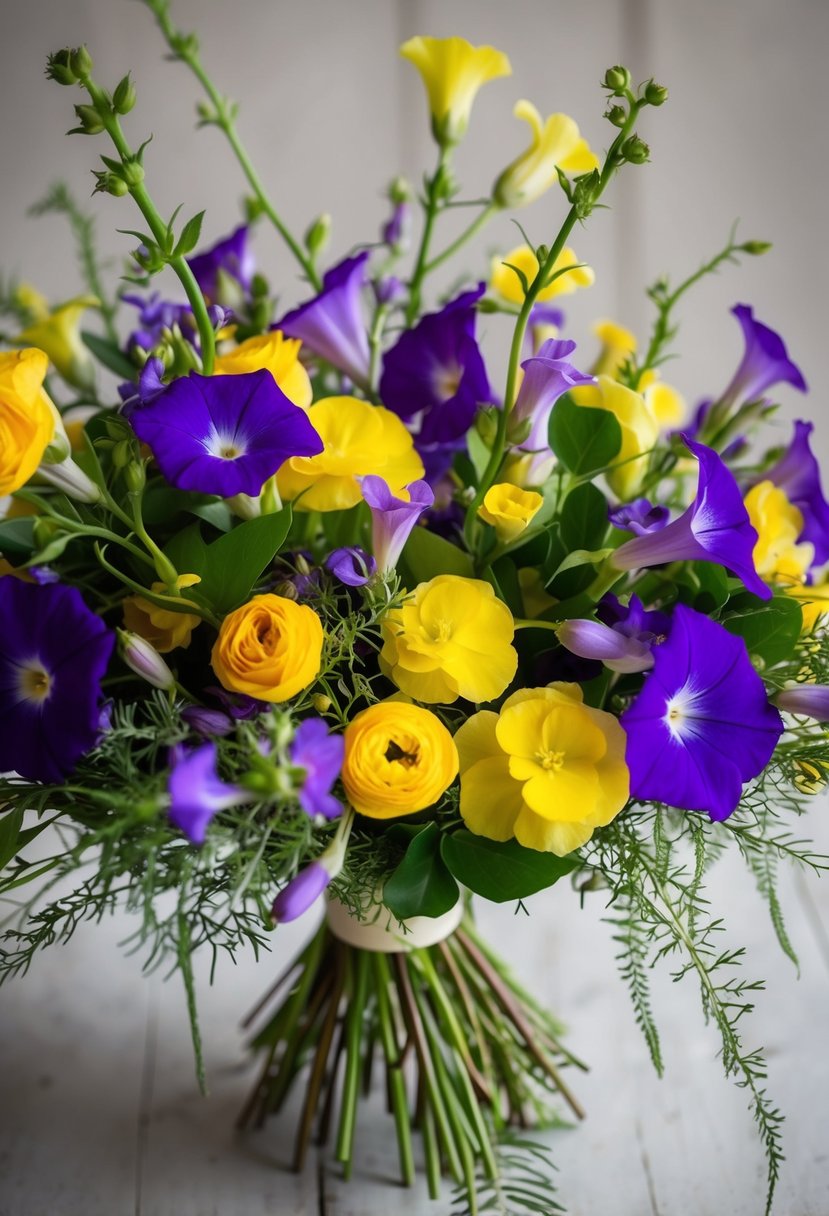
[
  {"x": 715, "y": 528},
  {"x": 230, "y": 257},
  {"x": 392, "y": 519},
  {"x": 320, "y": 754},
  {"x": 806, "y": 700},
  {"x": 207, "y": 722},
  {"x": 351, "y": 565},
  {"x": 640, "y": 517},
  {"x": 765, "y": 361},
  {"x": 197, "y": 792},
  {"x": 331, "y": 324},
  {"x": 547, "y": 376},
  {"x": 702, "y": 725},
  {"x": 53, "y": 655},
  {"x": 798, "y": 474},
  {"x": 300, "y": 893},
  {"x": 624, "y": 641},
  {"x": 434, "y": 379},
  {"x": 224, "y": 435}
]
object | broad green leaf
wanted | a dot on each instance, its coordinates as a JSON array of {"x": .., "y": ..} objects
[
  {"x": 427, "y": 555},
  {"x": 771, "y": 630},
  {"x": 230, "y": 566},
  {"x": 501, "y": 870},
  {"x": 584, "y": 439},
  {"x": 584, "y": 523},
  {"x": 107, "y": 353},
  {"x": 421, "y": 885},
  {"x": 16, "y": 539}
]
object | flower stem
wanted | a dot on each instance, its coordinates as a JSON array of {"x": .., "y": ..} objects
[
  {"x": 481, "y": 220},
  {"x": 431, "y": 205},
  {"x": 397, "y": 1083},
  {"x": 353, "y": 1059}
]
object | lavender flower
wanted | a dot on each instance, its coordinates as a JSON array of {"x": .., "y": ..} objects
[
  {"x": 765, "y": 362},
  {"x": 320, "y": 754},
  {"x": 196, "y": 791},
  {"x": 640, "y": 517},
  {"x": 300, "y": 893},
  {"x": 798, "y": 474},
  {"x": 547, "y": 376},
  {"x": 231, "y": 258},
  {"x": 392, "y": 519},
  {"x": 351, "y": 565},
  {"x": 624, "y": 643},
  {"x": 155, "y": 315},
  {"x": 332, "y": 324}
]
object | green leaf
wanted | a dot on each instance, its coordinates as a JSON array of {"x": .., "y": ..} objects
[
  {"x": 16, "y": 538},
  {"x": 230, "y": 566},
  {"x": 771, "y": 630},
  {"x": 190, "y": 234},
  {"x": 107, "y": 353},
  {"x": 421, "y": 885},
  {"x": 10, "y": 825},
  {"x": 427, "y": 555},
  {"x": 584, "y": 522},
  {"x": 584, "y": 439},
  {"x": 502, "y": 870}
]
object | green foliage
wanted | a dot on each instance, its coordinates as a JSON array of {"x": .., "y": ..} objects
[
  {"x": 523, "y": 1185},
  {"x": 769, "y": 629},
  {"x": 502, "y": 870},
  {"x": 584, "y": 439},
  {"x": 421, "y": 885},
  {"x": 230, "y": 566},
  {"x": 427, "y": 555}
]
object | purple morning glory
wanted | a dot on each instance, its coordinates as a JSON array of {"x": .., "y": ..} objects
[
  {"x": 197, "y": 792},
  {"x": 765, "y": 361},
  {"x": 702, "y": 725},
  {"x": 332, "y": 323},
  {"x": 547, "y": 376},
  {"x": 392, "y": 519},
  {"x": 640, "y": 517},
  {"x": 224, "y": 435},
  {"x": 798, "y": 474},
  {"x": 351, "y": 565},
  {"x": 715, "y": 528},
  {"x": 320, "y": 754},
  {"x": 297, "y": 895},
  {"x": 624, "y": 641},
  {"x": 230, "y": 257},
  {"x": 434, "y": 379},
  {"x": 53, "y": 655}
]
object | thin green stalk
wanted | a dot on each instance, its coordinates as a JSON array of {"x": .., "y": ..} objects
[
  {"x": 375, "y": 343},
  {"x": 431, "y": 1152},
  {"x": 397, "y": 1082},
  {"x": 353, "y": 1055},
  {"x": 480, "y": 221},
  {"x": 431, "y": 205}
]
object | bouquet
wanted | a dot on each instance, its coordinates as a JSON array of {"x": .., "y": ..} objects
[{"x": 299, "y": 605}]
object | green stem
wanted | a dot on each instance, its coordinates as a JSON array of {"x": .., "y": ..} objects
[
  {"x": 353, "y": 1059},
  {"x": 481, "y": 220},
  {"x": 375, "y": 340},
  {"x": 397, "y": 1083},
  {"x": 431, "y": 209}
]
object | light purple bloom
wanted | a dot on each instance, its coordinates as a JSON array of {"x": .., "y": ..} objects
[
  {"x": 392, "y": 519},
  {"x": 806, "y": 700},
  {"x": 150, "y": 384},
  {"x": 640, "y": 516},
  {"x": 624, "y": 643},
  {"x": 351, "y": 565},
  {"x": 387, "y": 290},
  {"x": 798, "y": 474},
  {"x": 320, "y": 754},
  {"x": 331, "y": 324},
  {"x": 765, "y": 361},
  {"x": 395, "y": 231},
  {"x": 207, "y": 722},
  {"x": 547, "y": 376},
  {"x": 196, "y": 791},
  {"x": 702, "y": 725},
  {"x": 300, "y": 893},
  {"x": 224, "y": 435},
  {"x": 231, "y": 257},
  {"x": 543, "y": 317},
  {"x": 155, "y": 315},
  {"x": 715, "y": 528}
]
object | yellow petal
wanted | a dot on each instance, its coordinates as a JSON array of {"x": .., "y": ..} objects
[{"x": 490, "y": 800}]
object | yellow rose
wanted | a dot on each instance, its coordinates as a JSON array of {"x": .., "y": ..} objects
[
  {"x": 777, "y": 555},
  {"x": 166, "y": 630},
  {"x": 279, "y": 355},
  {"x": 399, "y": 759},
  {"x": 59, "y": 335},
  {"x": 509, "y": 509},
  {"x": 26, "y": 420},
  {"x": 451, "y": 638},
  {"x": 547, "y": 770},
  {"x": 270, "y": 648},
  {"x": 556, "y": 144},
  {"x": 452, "y": 71},
  {"x": 506, "y": 283},
  {"x": 359, "y": 438},
  {"x": 639, "y": 427}
]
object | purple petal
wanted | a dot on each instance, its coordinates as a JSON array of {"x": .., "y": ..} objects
[
  {"x": 331, "y": 324},
  {"x": 300, "y": 893},
  {"x": 798, "y": 474},
  {"x": 196, "y": 791},
  {"x": 765, "y": 361},
  {"x": 547, "y": 376},
  {"x": 807, "y": 700},
  {"x": 351, "y": 565},
  {"x": 231, "y": 256},
  {"x": 392, "y": 519}
]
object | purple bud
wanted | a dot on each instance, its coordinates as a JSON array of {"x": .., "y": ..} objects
[
  {"x": 639, "y": 516},
  {"x": 387, "y": 290},
  {"x": 207, "y": 722},
  {"x": 806, "y": 700},
  {"x": 352, "y": 566},
  {"x": 396, "y": 229},
  {"x": 300, "y": 893}
]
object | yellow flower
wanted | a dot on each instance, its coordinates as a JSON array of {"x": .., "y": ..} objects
[
  {"x": 505, "y": 282},
  {"x": 452, "y": 72},
  {"x": 270, "y": 648},
  {"x": 509, "y": 509},
  {"x": 398, "y": 759},
  {"x": 556, "y": 143},
  {"x": 638, "y": 425},
  {"x": 59, "y": 335},
  {"x": 10, "y": 571},
  {"x": 451, "y": 638},
  {"x": 166, "y": 630},
  {"x": 664, "y": 401},
  {"x": 359, "y": 438},
  {"x": 814, "y": 601},
  {"x": 547, "y": 770},
  {"x": 810, "y": 777},
  {"x": 777, "y": 555},
  {"x": 618, "y": 344},
  {"x": 27, "y": 422},
  {"x": 280, "y": 355}
]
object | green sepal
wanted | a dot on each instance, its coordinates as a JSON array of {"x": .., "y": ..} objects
[{"x": 189, "y": 237}]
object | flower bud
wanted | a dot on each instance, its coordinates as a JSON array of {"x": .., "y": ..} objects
[
  {"x": 135, "y": 477},
  {"x": 71, "y": 480},
  {"x": 755, "y": 248},
  {"x": 44, "y": 531},
  {"x": 89, "y": 120},
  {"x": 635, "y": 150},
  {"x": 400, "y": 191},
  {"x": 617, "y": 115},
  {"x": 80, "y": 62},
  {"x": 207, "y": 722},
  {"x": 58, "y": 69},
  {"x": 125, "y": 96},
  {"x": 655, "y": 94},
  {"x": 301, "y": 892},
  {"x": 316, "y": 238},
  {"x": 143, "y": 658},
  {"x": 109, "y": 183},
  {"x": 133, "y": 173},
  {"x": 122, "y": 453},
  {"x": 321, "y": 703},
  {"x": 617, "y": 79}
]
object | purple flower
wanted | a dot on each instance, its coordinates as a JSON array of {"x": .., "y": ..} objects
[
  {"x": 639, "y": 516},
  {"x": 798, "y": 474},
  {"x": 702, "y": 725},
  {"x": 715, "y": 528},
  {"x": 150, "y": 384},
  {"x": 543, "y": 319},
  {"x": 207, "y": 722},
  {"x": 392, "y": 519},
  {"x": 224, "y": 435},
  {"x": 154, "y": 316},
  {"x": 53, "y": 655},
  {"x": 320, "y": 754},
  {"x": 300, "y": 893},
  {"x": 352, "y": 565},
  {"x": 765, "y": 361},
  {"x": 230, "y": 257},
  {"x": 623, "y": 641},
  {"x": 395, "y": 231},
  {"x": 806, "y": 700},
  {"x": 547, "y": 376},
  {"x": 434, "y": 379},
  {"x": 196, "y": 791},
  {"x": 332, "y": 324},
  {"x": 387, "y": 290},
  {"x": 238, "y": 705}
]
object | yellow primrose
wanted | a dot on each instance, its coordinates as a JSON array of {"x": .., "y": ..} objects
[
  {"x": 59, "y": 335},
  {"x": 398, "y": 760},
  {"x": 556, "y": 144},
  {"x": 279, "y": 355},
  {"x": 27, "y": 421},
  {"x": 618, "y": 344},
  {"x": 359, "y": 438},
  {"x": 777, "y": 555},
  {"x": 450, "y": 638},
  {"x": 509, "y": 509},
  {"x": 547, "y": 770},
  {"x": 452, "y": 71},
  {"x": 638, "y": 425},
  {"x": 505, "y": 282},
  {"x": 814, "y": 601},
  {"x": 166, "y": 630}
]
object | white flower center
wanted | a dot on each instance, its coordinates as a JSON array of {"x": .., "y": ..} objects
[{"x": 225, "y": 447}]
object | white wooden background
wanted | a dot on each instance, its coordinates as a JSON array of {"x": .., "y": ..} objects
[{"x": 99, "y": 1110}]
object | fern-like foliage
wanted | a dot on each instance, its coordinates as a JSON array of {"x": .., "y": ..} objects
[{"x": 522, "y": 1186}]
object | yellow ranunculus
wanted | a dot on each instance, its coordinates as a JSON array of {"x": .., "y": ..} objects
[
  {"x": 450, "y": 638},
  {"x": 547, "y": 770},
  {"x": 505, "y": 282},
  {"x": 509, "y": 509},
  {"x": 270, "y": 648},
  {"x": 166, "y": 630},
  {"x": 777, "y": 555},
  {"x": 279, "y": 355},
  {"x": 556, "y": 143},
  {"x": 452, "y": 71},
  {"x": 398, "y": 759},
  {"x": 639, "y": 430},
  {"x": 59, "y": 335},
  {"x": 27, "y": 421},
  {"x": 359, "y": 438},
  {"x": 814, "y": 601}
]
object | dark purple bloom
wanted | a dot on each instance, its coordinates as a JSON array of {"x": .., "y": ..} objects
[
  {"x": 150, "y": 385},
  {"x": 547, "y": 376},
  {"x": 623, "y": 640},
  {"x": 230, "y": 257},
  {"x": 640, "y": 516},
  {"x": 320, "y": 754},
  {"x": 331, "y": 324},
  {"x": 53, "y": 655},
  {"x": 197, "y": 792},
  {"x": 351, "y": 565},
  {"x": 392, "y": 519},
  {"x": 224, "y": 435},
  {"x": 300, "y": 893},
  {"x": 207, "y": 722},
  {"x": 434, "y": 379},
  {"x": 156, "y": 315},
  {"x": 715, "y": 528},
  {"x": 806, "y": 700},
  {"x": 797, "y": 473},
  {"x": 239, "y": 705},
  {"x": 765, "y": 361},
  {"x": 702, "y": 725}
]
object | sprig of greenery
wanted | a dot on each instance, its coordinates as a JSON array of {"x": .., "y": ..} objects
[{"x": 522, "y": 1185}]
